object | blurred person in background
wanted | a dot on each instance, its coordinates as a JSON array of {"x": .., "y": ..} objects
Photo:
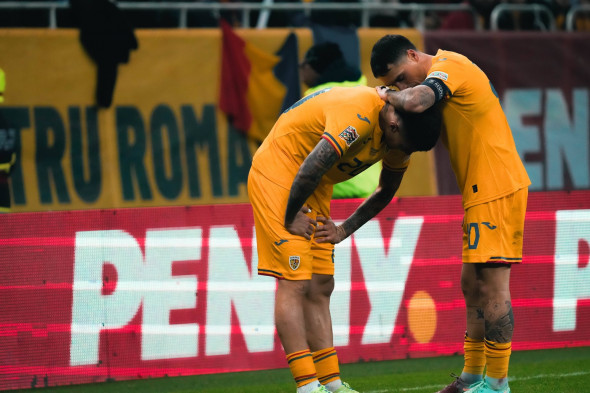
[
  {"x": 494, "y": 186},
  {"x": 7, "y": 152},
  {"x": 465, "y": 20},
  {"x": 324, "y": 66},
  {"x": 459, "y": 20}
]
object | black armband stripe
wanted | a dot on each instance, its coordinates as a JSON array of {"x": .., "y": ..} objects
[{"x": 438, "y": 87}]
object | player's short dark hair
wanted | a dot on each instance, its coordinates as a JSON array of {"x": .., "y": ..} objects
[
  {"x": 388, "y": 50},
  {"x": 421, "y": 130}
]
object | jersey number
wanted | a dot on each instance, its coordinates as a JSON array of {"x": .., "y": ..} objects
[
  {"x": 356, "y": 169},
  {"x": 473, "y": 235}
]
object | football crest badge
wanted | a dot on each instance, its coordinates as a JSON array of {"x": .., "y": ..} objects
[
  {"x": 294, "y": 262},
  {"x": 349, "y": 135}
]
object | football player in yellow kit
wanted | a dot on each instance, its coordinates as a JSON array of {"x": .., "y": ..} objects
[
  {"x": 492, "y": 180},
  {"x": 326, "y": 137}
]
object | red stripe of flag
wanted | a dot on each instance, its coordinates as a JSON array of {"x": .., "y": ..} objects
[{"x": 235, "y": 75}]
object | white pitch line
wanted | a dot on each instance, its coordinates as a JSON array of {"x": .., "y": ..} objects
[{"x": 574, "y": 374}]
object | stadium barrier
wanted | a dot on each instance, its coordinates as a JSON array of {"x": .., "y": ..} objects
[{"x": 97, "y": 295}]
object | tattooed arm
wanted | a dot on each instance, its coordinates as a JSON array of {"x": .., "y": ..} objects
[
  {"x": 388, "y": 184},
  {"x": 414, "y": 99},
  {"x": 319, "y": 161}
]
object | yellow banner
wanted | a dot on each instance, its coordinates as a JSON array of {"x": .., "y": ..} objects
[{"x": 162, "y": 142}]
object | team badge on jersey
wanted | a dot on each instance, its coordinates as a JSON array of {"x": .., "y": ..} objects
[
  {"x": 294, "y": 262},
  {"x": 438, "y": 74},
  {"x": 349, "y": 135}
]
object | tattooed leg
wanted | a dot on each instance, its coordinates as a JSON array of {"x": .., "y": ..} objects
[
  {"x": 473, "y": 344},
  {"x": 499, "y": 324},
  {"x": 495, "y": 290},
  {"x": 471, "y": 293}
]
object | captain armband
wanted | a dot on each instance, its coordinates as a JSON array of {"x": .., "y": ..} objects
[{"x": 438, "y": 87}]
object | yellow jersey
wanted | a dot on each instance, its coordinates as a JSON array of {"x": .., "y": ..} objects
[
  {"x": 480, "y": 143},
  {"x": 347, "y": 117}
]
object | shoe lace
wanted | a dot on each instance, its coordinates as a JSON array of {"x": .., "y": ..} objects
[
  {"x": 461, "y": 383},
  {"x": 453, "y": 375},
  {"x": 458, "y": 379}
]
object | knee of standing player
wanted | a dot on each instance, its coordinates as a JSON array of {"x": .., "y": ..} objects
[{"x": 470, "y": 288}]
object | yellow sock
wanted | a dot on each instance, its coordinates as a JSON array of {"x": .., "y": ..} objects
[
  {"x": 497, "y": 359},
  {"x": 302, "y": 367},
  {"x": 326, "y": 364},
  {"x": 475, "y": 358}
]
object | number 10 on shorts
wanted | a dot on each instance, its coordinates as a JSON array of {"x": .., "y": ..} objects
[{"x": 473, "y": 235}]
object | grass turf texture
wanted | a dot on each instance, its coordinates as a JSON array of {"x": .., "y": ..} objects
[{"x": 555, "y": 370}]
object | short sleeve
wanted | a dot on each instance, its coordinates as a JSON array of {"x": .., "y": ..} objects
[
  {"x": 449, "y": 72},
  {"x": 348, "y": 125}
]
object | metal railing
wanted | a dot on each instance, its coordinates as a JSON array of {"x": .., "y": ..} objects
[
  {"x": 570, "y": 18},
  {"x": 536, "y": 9},
  {"x": 52, "y": 7},
  {"x": 265, "y": 7}
]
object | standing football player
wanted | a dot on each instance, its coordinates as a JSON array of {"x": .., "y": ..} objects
[{"x": 494, "y": 185}]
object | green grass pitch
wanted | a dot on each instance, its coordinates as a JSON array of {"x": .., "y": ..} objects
[{"x": 556, "y": 370}]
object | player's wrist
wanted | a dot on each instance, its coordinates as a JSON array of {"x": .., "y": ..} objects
[{"x": 341, "y": 232}]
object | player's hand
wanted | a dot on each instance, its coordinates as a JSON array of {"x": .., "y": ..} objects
[
  {"x": 302, "y": 224},
  {"x": 328, "y": 232},
  {"x": 385, "y": 93}
]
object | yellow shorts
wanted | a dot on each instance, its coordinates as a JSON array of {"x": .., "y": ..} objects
[
  {"x": 281, "y": 254},
  {"x": 492, "y": 231}
]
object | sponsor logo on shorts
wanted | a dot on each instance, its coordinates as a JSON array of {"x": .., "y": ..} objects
[
  {"x": 349, "y": 135},
  {"x": 294, "y": 262},
  {"x": 438, "y": 74},
  {"x": 487, "y": 224},
  {"x": 281, "y": 242}
]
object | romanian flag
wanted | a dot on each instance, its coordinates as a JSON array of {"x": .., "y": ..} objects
[
  {"x": 287, "y": 70},
  {"x": 250, "y": 93}
]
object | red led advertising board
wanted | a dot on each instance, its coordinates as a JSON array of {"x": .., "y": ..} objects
[{"x": 88, "y": 296}]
